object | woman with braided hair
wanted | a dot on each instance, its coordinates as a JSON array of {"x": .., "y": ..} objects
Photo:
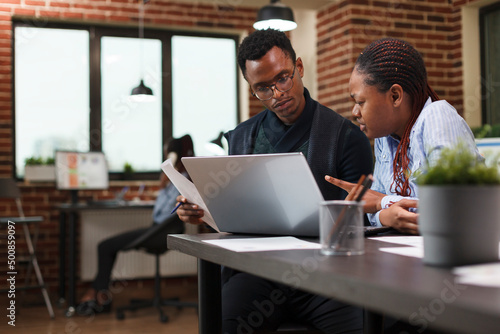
[{"x": 395, "y": 105}]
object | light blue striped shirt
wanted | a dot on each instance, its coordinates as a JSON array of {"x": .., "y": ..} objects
[{"x": 438, "y": 126}]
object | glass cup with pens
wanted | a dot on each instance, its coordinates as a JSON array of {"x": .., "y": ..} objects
[{"x": 341, "y": 222}]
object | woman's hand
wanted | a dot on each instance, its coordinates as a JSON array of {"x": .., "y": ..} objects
[
  {"x": 188, "y": 212},
  {"x": 399, "y": 217},
  {"x": 371, "y": 198}
]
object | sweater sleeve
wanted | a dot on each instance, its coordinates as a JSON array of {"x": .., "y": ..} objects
[{"x": 355, "y": 158}]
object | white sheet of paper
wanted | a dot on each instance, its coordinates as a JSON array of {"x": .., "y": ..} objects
[
  {"x": 406, "y": 251},
  {"x": 487, "y": 274},
  {"x": 414, "y": 241},
  {"x": 188, "y": 190},
  {"x": 263, "y": 244},
  {"x": 479, "y": 269},
  {"x": 486, "y": 281}
]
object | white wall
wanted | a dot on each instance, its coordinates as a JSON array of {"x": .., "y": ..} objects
[{"x": 304, "y": 42}]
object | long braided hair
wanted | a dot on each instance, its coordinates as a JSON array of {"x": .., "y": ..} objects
[{"x": 390, "y": 61}]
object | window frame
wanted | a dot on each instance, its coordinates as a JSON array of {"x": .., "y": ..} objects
[
  {"x": 96, "y": 31},
  {"x": 485, "y": 113}
]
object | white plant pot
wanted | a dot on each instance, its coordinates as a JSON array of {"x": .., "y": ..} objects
[
  {"x": 39, "y": 173},
  {"x": 460, "y": 224}
]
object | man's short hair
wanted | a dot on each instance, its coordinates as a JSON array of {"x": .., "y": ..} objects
[{"x": 257, "y": 44}]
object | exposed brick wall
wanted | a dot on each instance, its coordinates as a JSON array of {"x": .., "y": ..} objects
[{"x": 346, "y": 27}]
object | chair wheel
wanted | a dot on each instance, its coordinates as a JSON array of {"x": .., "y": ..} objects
[
  {"x": 120, "y": 315},
  {"x": 70, "y": 312},
  {"x": 163, "y": 318}
]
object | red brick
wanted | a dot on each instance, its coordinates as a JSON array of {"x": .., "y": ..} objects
[
  {"x": 72, "y": 15},
  {"x": 435, "y": 18},
  {"x": 22, "y": 11},
  {"x": 424, "y": 9},
  {"x": 403, "y": 25},
  {"x": 98, "y": 17},
  {"x": 4, "y": 10},
  {"x": 59, "y": 4},
  {"x": 436, "y": 36},
  {"x": 103, "y": 8},
  {"x": 82, "y": 6},
  {"x": 360, "y": 21},
  {"x": 119, "y": 18},
  {"x": 418, "y": 17},
  {"x": 49, "y": 13},
  {"x": 444, "y": 28},
  {"x": 423, "y": 27},
  {"x": 34, "y": 3}
]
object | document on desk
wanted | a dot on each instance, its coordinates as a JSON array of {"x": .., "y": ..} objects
[
  {"x": 263, "y": 244},
  {"x": 487, "y": 274},
  {"x": 414, "y": 245},
  {"x": 188, "y": 190}
]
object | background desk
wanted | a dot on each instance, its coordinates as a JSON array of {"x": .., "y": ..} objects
[
  {"x": 396, "y": 285},
  {"x": 68, "y": 215}
]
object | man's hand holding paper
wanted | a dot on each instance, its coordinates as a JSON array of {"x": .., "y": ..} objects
[
  {"x": 194, "y": 207},
  {"x": 188, "y": 212}
]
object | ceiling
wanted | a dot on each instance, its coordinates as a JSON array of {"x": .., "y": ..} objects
[{"x": 294, "y": 4}]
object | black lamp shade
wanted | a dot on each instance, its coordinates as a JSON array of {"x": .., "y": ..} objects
[
  {"x": 218, "y": 141},
  {"x": 276, "y": 16},
  {"x": 142, "y": 89}
]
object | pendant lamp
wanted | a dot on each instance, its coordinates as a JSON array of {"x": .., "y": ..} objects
[
  {"x": 142, "y": 93},
  {"x": 275, "y": 16}
]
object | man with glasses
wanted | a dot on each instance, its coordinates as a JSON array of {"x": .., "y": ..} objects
[{"x": 292, "y": 122}]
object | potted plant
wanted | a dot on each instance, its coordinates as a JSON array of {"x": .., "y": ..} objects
[
  {"x": 128, "y": 171},
  {"x": 459, "y": 209},
  {"x": 37, "y": 169}
]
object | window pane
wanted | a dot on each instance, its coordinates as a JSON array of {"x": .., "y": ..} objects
[
  {"x": 131, "y": 131},
  {"x": 204, "y": 88},
  {"x": 492, "y": 65},
  {"x": 51, "y": 92}
]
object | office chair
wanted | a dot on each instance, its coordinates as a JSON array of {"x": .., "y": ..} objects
[
  {"x": 9, "y": 189},
  {"x": 154, "y": 241}
]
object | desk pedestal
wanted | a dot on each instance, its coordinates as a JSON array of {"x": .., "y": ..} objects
[{"x": 209, "y": 290}]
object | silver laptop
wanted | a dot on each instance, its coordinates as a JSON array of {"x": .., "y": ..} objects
[{"x": 258, "y": 194}]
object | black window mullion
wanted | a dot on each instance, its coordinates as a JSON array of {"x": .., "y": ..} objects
[
  {"x": 167, "y": 94},
  {"x": 95, "y": 135},
  {"x": 489, "y": 116}
]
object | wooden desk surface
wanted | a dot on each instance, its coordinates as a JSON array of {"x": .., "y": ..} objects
[{"x": 396, "y": 285}]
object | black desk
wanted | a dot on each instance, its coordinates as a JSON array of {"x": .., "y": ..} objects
[
  {"x": 381, "y": 282},
  {"x": 71, "y": 211}
]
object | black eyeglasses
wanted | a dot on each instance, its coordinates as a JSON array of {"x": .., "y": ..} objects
[{"x": 283, "y": 84}]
